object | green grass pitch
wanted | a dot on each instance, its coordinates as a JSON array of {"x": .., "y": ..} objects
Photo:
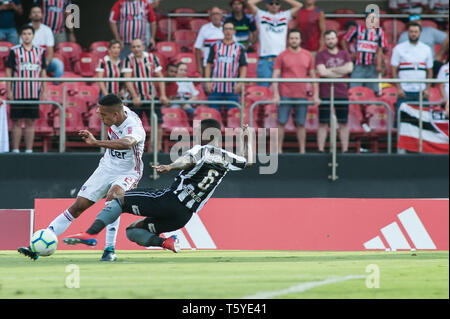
[{"x": 226, "y": 274}]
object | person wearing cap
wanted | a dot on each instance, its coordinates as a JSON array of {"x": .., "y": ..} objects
[
  {"x": 273, "y": 28},
  {"x": 246, "y": 32},
  {"x": 430, "y": 36}
]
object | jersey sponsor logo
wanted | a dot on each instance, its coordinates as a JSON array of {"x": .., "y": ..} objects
[
  {"x": 27, "y": 66},
  {"x": 117, "y": 154},
  {"x": 367, "y": 46}
]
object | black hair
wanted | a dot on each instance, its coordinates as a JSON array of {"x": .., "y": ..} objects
[
  {"x": 295, "y": 30},
  {"x": 329, "y": 32},
  {"x": 414, "y": 24},
  {"x": 35, "y": 5},
  {"x": 113, "y": 42},
  {"x": 229, "y": 21},
  {"x": 351, "y": 23},
  {"x": 25, "y": 27},
  {"x": 111, "y": 101},
  {"x": 209, "y": 124}
]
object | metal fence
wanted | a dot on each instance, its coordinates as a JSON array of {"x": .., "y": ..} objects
[{"x": 241, "y": 106}]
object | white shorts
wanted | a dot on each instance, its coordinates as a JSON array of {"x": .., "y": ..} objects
[{"x": 98, "y": 185}]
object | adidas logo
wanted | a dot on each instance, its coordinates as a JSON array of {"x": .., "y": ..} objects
[
  {"x": 197, "y": 233},
  {"x": 396, "y": 239}
]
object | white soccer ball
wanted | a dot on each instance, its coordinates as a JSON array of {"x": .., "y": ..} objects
[{"x": 44, "y": 242}]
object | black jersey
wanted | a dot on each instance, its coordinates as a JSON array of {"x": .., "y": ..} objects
[{"x": 195, "y": 186}]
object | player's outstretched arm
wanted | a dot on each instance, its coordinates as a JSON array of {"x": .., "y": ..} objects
[
  {"x": 182, "y": 163},
  {"x": 124, "y": 143}
]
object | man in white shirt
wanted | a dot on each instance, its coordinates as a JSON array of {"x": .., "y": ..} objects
[
  {"x": 273, "y": 27},
  {"x": 443, "y": 75},
  {"x": 408, "y": 6},
  {"x": 43, "y": 37},
  {"x": 412, "y": 60},
  {"x": 207, "y": 36}
]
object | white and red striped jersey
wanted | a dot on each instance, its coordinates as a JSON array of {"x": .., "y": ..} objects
[
  {"x": 54, "y": 15},
  {"x": 125, "y": 162},
  {"x": 408, "y": 6},
  {"x": 132, "y": 17},
  {"x": 443, "y": 75},
  {"x": 145, "y": 67},
  {"x": 440, "y": 6},
  {"x": 110, "y": 70},
  {"x": 226, "y": 61},
  {"x": 207, "y": 36},
  {"x": 412, "y": 61},
  {"x": 26, "y": 64},
  {"x": 366, "y": 42},
  {"x": 273, "y": 29}
]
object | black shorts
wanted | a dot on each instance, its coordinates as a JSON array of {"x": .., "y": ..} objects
[
  {"x": 24, "y": 111},
  {"x": 145, "y": 108},
  {"x": 163, "y": 210},
  {"x": 340, "y": 109}
]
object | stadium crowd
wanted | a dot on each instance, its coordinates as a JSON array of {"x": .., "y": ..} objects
[{"x": 249, "y": 39}]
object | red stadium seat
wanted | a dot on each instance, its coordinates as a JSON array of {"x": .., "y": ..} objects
[
  {"x": 378, "y": 123},
  {"x": 183, "y": 22},
  {"x": 332, "y": 25},
  {"x": 252, "y": 65},
  {"x": 44, "y": 129},
  {"x": 435, "y": 95},
  {"x": 185, "y": 39},
  {"x": 162, "y": 32},
  {"x": 94, "y": 122},
  {"x": 74, "y": 121},
  {"x": 234, "y": 118},
  {"x": 204, "y": 112},
  {"x": 388, "y": 28},
  {"x": 5, "y": 47},
  {"x": 258, "y": 93},
  {"x": 163, "y": 61},
  {"x": 2, "y": 90},
  {"x": 99, "y": 49},
  {"x": 389, "y": 95},
  {"x": 312, "y": 119},
  {"x": 70, "y": 53},
  {"x": 86, "y": 64},
  {"x": 89, "y": 95},
  {"x": 189, "y": 59},
  {"x": 196, "y": 24},
  {"x": 167, "y": 48},
  {"x": 270, "y": 116},
  {"x": 429, "y": 23},
  {"x": 174, "y": 120}
]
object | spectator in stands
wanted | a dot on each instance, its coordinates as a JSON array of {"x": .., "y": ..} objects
[
  {"x": 141, "y": 64},
  {"x": 294, "y": 62},
  {"x": 109, "y": 67},
  {"x": 351, "y": 46},
  {"x": 128, "y": 21},
  {"x": 171, "y": 87},
  {"x": 227, "y": 59},
  {"x": 311, "y": 21},
  {"x": 55, "y": 15},
  {"x": 8, "y": 10},
  {"x": 412, "y": 60},
  {"x": 148, "y": 31},
  {"x": 43, "y": 37},
  {"x": 208, "y": 35},
  {"x": 246, "y": 32},
  {"x": 368, "y": 58},
  {"x": 439, "y": 7},
  {"x": 430, "y": 36},
  {"x": 186, "y": 90},
  {"x": 408, "y": 6},
  {"x": 25, "y": 61},
  {"x": 443, "y": 88},
  {"x": 333, "y": 63},
  {"x": 273, "y": 27}
]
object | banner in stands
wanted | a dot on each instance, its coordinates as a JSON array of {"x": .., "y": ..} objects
[
  {"x": 435, "y": 130},
  {"x": 289, "y": 224}
]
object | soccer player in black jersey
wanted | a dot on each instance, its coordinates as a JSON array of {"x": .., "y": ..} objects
[{"x": 202, "y": 169}]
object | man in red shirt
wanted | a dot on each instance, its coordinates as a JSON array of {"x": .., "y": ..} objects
[
  {"x": 294, "y": 62},
  {"x": 311, "y": 21}
]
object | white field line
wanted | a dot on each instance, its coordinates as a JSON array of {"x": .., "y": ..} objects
[{"x": 301, "y": 287}]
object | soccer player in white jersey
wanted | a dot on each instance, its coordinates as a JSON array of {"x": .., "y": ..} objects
[
  {"x": 203, "y": 168},
  {"x": 119, "y": 170}
]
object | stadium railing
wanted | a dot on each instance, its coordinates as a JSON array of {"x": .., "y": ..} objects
[
  {"x": 238, "y": 80},
  {"x": 172, "y": 16}
]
